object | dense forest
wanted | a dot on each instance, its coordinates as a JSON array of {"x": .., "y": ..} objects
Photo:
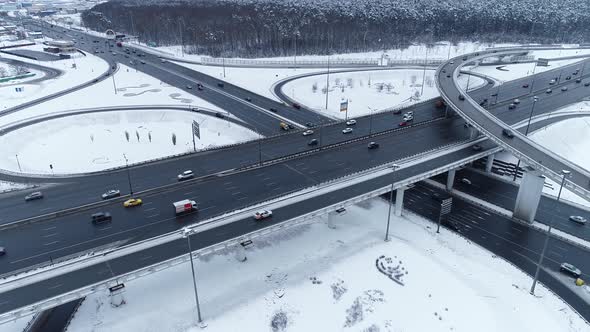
[{"x": 250, "y": 28}]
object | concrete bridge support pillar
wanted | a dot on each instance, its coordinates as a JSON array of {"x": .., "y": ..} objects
[
  {"x": 240, "y": 253},
  {"x": 399, "y": 201},
  {"x": 529, "y": 195},
  {"x": 331, "y": 217},
  {"x": 489, "y": 163},
  {"x": 450, "y": 179}
]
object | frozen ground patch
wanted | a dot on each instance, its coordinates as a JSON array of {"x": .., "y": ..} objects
[
  {"x": 97, "y": 141},
  {"x": 78, "y": 70},
  {"x": 367, "y": 91},
  {"x": 288, "y": 284}
]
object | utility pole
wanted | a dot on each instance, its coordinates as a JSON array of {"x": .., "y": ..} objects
[
  {"x": 535, "y": 98},
  {"x": 424, "y": 73},
  {"x": 328, "y": 82},
  {"x": 186, "y": 233},
  {"x": 18, "y": 163},
  {"x": 565, "y": 173},
  {"x": 128, "y": 174},
  {"x": 114, "y": 86},
  {"x": 389, "y": 213}
]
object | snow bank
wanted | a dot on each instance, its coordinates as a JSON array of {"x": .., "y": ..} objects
[
  {"x": 313, "y": 278},
  {"x": 97, "y": 141}
]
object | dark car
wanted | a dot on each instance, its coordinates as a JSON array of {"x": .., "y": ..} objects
[
  {"x": 313, "y": 142},
  {"x": 373, "y": 145},
  {"x": 220, "y": 84},
  {"x": 526, "y": 85},
  {"x": 309, "y": 125},
  {"x": 578, "y": 80},
  {"x": 461, "y": 97},
  {"x": 2, "y": 251},
  {"x": 397, "y": 111},
  {"x": 567, "y": 78},
  {"x": 587, "y": 84},
  {"x": 476, "y": 147},
  {"x": 219, "y": 115},
  {"x": 273, "y": 110},
  {"x": 248, "y": 99},
  {"x": 508, "y": 133},
  {"x": 33, "y": 196},
  {"x": 495, "y": 94},
  {"x": 296, "y": 105},
  {"x": 101, "y": 217},
  {"x": 511, "y": 106}
]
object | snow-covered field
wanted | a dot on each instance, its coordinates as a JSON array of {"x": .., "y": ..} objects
[
  {"x": 97, "y": 141},
  {"x": 367, "y": 91},
  {"x": 313, "y": 278},
  {"x": 77, "y": 70},
  {"x": 8, "y": 186}
]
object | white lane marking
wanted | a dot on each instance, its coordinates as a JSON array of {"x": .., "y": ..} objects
[
  {"x": 236, "y": 193},
  {"x": 50, "y": 243},
  {"x": 46, "y": 209},
  {"x": 516, "y": 229},
  {"x": 105, "y": 228},
  {"x": 207, "y": 208},
  {"x": 150, "y": 209},
  {"x": 148, "y": 203},
  {"x": 145, "y": 258},
  {"x": 153, "y": 215},
  {"x": 49, "y": 235},
  {"x": 188, "y": 193},
  {"x": 49, "y": 228},
  {"x": 270, "y": 184},
  {"x": 55, "y": 286}
]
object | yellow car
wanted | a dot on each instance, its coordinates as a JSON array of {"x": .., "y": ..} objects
[{"x": 132, "y": 202}]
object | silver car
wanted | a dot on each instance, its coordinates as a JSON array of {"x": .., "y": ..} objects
[
  {"x": 578, "y": 219},
  {"x": 188, "y": 174},
  {"x": 570, "y": 269},
  {"x": 33, "y": 196},
  {"x": 111, "y": 194}
]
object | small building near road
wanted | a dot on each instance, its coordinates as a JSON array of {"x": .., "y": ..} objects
[{"x": 59, "y": 46}]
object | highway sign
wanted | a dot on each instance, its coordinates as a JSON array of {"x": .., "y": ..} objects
[
  {"x": 116, "y": 288},
  {"x": 344, "y": 106},
  {"x": 196, "y": 129}
]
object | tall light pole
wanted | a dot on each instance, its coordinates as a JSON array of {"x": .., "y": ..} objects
[
  {"x": 564, "y": 173},
  {"x": 370, "y": 120},
  {"x": 186, "y": 233},
  {"x": 18, "y": 163},
  {"x": 394, "y": 168},
  {"x": 424, "y": 73},
  {"x": 259, "y": 147},
  {"x": 535, "y": 98},
  {"x": 328, "y": 82},
  {"x": 128, "y": 174}
]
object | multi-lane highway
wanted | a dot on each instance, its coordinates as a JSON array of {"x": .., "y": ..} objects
[
  {"x": 549, "y": 83},
  {"x": 519, "y": 244}
]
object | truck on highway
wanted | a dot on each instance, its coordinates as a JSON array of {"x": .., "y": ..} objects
[
  {"x": 284, "y": 126},
  {"x": 184, "y": 206}
]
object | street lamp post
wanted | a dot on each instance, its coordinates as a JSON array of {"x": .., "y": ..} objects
[
  {"x": 259, "y": 147},
  {"x": 18, "y": 163},
  {"x": 328, "y": 82},
  {"x": 394, "y": 167},
  {"x": 535, "y": 99},
  {"x": 128, "y": 174},
  {"x": 186, "y": 233},
  {"x": 565, "y": 173},
  {"x": 424, "y": 72}
]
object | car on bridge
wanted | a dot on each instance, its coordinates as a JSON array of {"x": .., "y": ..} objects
[
  {"x": 308, "y": 132},
  {"x": 351, "y": 122},
  {"x": 101, "y": 217},
  {"x": 404, "y": 123},
  {"x": 263, "y": 214},
  {"x": 2, "y": 251},
  {"x": 578, "y": 219},
  {"x": 220, "y": 84},
  {"x": 248, "y": 99},
  {"x": 313, "y": 142},
  {"x": 476, "y": 147},
  {"x": 578, "y": 80},
  {"x": 132, "y": 202},
  {"x": 512, "y": 106},
  {"x": 296, "y": 106},
  {"x": 587, "y": 84},
  {"x": 526, "y": 85},
  {"x": 347, "y": 130},
  {"x": 188, "y": 174},
  {"x": 33, "y": 196},
  {"x": 111, "y": 194},
  {"x": 570, "y": 269},
  {"x": 508, "y": 133},
  {"x": 564, "y": 88},
  {"x": 372, "y": 145},
  {"x": 461, "y": 97},
  {"x": 516, "y": 101},
  {"x": 553, "y": 81},
  {"x": 548, "y": 91}
]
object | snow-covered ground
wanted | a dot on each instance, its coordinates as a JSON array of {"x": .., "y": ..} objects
[
  {"x": 367, "y": 91},
  {"x": 133, "y": 88},
  {"x": 9, "y": 186},
  {"x": 78, "y": 70},
  {"x": 312, "y": 278},
  {"x": 98, "y": 141}
]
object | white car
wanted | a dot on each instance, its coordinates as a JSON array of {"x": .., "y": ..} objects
[
  {"x": 408, "y": 117},
  {"x": 188, "y": 174},
  {"x": 308, "y": 132},
  {"x": 351, "y": 122},
  {"x": 263, "y": 214},
  {"x": 516, "y": 101},
  {"x": 578, "y": 219},
  {"x": 466, "y": 181},
  {"x": 347, "y": 130}
]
